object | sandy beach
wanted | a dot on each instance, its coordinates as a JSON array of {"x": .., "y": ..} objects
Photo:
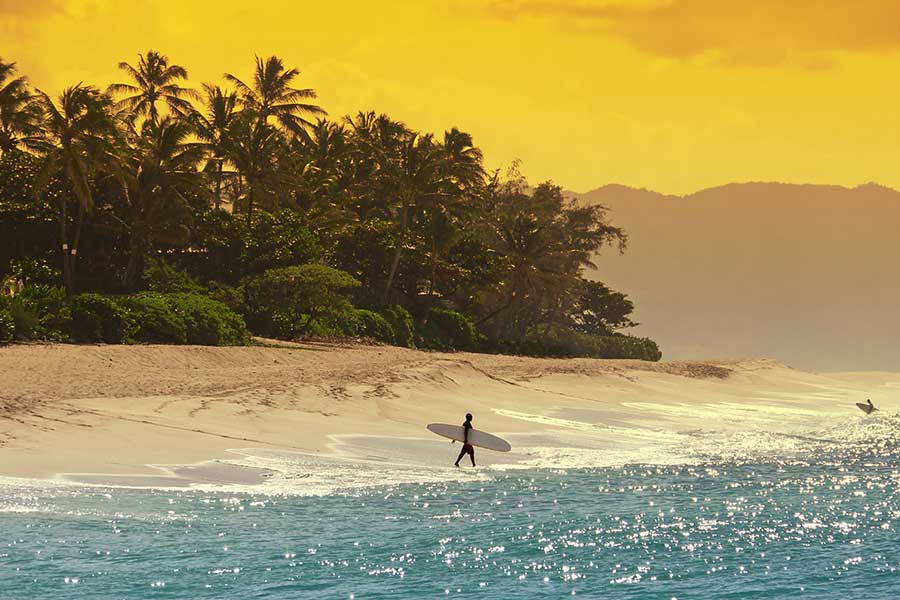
[{"x": 163, "y": 414}]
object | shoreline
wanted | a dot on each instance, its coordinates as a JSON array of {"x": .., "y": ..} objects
[{"x": 278, "y": 413}]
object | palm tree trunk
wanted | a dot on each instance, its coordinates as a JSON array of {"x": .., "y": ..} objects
[
  {"x": 433, "y": 277},
  {"x": 135, "y": 259},
  {"x": 431, "y": 283},
  {"x": 495, "y": 312},
  {"x": 251, "y": 192},
  {"x": 64, "y": 240},
  {"x": 395, "y": 264},
  {"x": 398, "y": 251},
  {"x": 73, "y": 253},
  {"x": 219, "y": 186}
]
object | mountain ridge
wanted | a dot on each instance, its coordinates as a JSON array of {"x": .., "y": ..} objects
[
  {"x": 628, "y": 189},
  {"x": 806, "y": 273}
]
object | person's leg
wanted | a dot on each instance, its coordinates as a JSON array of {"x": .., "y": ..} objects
[
  {"x": 459, "y": 458},
  {"x": 472, "y": 455}
]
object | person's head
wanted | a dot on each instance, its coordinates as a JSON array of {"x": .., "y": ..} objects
[
  {"x": 468, "y": 416},
  {"x": 869, "y": 400}
]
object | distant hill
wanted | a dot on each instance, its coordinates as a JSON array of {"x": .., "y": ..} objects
[{"x": 808, "y": 274}]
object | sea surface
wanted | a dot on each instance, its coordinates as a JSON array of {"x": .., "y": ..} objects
[{"x": 822, "y": 521}]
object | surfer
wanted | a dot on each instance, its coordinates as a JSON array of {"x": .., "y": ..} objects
[
  {"x": 467, "y": 447},
  {"x": 867, "y": 408}
]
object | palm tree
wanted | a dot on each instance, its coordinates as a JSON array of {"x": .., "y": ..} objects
[
  {"x": 270, "y": 95},
  {"x": 213, "y": 127},
  {"x": 162, "y": 177},
  {"x": 323, "y": 161},
  {"x": 20, "y": 114},
  {"x": 154, "y": 80},
  {"x": 253, "y": 148},
  {"x": 400, "y": 174},
  {"x": 78, "y": 140},
  {"x": 413, "y": 181},
  {"x": 375, "y": 140},
  {"x": 463, "y": 161},
  {"x": 443, "y": 231},
  {"x": 258, "y": 146},
  {"x": 463, "y": 179}
]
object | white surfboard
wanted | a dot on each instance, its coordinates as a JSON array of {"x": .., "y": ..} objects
[
  {"x": 476, "y": 438},
  {"x": 866, "y": 408}
]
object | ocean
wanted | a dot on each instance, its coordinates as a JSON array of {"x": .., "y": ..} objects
[{"x": 820, "y": 521}]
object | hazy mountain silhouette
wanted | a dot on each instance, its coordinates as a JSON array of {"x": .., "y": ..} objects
[{"x": 805, "y": 273}]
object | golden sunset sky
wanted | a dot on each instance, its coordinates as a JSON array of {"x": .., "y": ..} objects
[{"x": 674, "y": 95}]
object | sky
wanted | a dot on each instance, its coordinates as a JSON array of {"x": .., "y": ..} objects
[{"x": 672, "y": 95}]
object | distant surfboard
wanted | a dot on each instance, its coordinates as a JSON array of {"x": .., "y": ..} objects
[
  {"x": 476, "y": 438},
  {"x": 866, "y": 408}
]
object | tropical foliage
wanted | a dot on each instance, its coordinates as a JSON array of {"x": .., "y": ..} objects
[{"x": 157, "y": 212}]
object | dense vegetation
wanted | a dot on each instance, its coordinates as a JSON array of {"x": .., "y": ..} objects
[{"x": 153, "y": 212}]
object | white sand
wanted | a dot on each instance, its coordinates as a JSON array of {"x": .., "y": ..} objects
[{"x": 91, "y": 413}]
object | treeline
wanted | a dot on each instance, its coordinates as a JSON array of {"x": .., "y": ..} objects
[{"x": 153, "y": 212}]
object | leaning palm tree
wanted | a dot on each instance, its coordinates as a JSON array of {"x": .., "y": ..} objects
[
  {"x": 154, "y": 80},
  {"x": 212, "y": 126},
  {"x": 78, "y": 140},
  {"x": 20, "y": 113},
  {"x": 270, "y": 95}
]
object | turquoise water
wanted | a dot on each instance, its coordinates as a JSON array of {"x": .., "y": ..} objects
[{"x": 773, "y": 529}]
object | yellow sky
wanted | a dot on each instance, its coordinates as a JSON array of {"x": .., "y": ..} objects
[{"x": 674, "y": 95}]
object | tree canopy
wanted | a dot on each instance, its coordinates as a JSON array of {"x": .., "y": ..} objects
[{"x": 243, "y": 189}]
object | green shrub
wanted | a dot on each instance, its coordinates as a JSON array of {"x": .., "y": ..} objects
[
  {"x": 375, "y": 326},
  {"x": 184, "y": 319},
  {"x": 401, "y": 323},
  {"x": 562, "y": 342},
  {"x": 207, "y": 321},
  {"x": 638, "y": 347},
  {"x": 33, "y": 271},
  {"x": 159, "y": 276},
  {"x": 7, "y": 325},
  {"x": 286, "y": 302},
  {"x": 24, "y": 320},
  {"x": 232, "y": 297},
  {"x": 97, "y": 318},
  {"x": 333, "y": 325},
  {"x": 352, "y": 323},
  {"x": 320, "y": 329},
  {"x": 155, "y": 320},
  {"x": 40, "y": 312},
  {"x": 447, "y": 329},
  {"x": 344, "y": 322}
]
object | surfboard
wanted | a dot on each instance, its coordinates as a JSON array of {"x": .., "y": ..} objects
[
  {"x": 866, "y": 408},
  {"x": 476, "y": 438}
]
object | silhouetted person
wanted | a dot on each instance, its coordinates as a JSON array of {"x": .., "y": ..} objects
[
  {"x": 871, "y": 407},
  {"x": 467, "y": 447}
]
